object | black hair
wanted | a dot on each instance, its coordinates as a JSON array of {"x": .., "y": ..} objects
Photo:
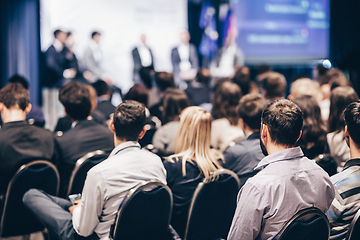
[
  {"x": 164, "y": 80},
  {"x": 352, "y": 120},
  {"x": 93, "y": 34},
  {"x": 284, "y": 120},
  {"x": 14, "y": 94},
  {"x": 138, "y": 93},
  {"x": 129, "y": 120},
  {"x": 242, "y": 79},
  {"x": 56, "y": 32},
  {"x": 250, "y": 108},
  {"x": 76, "y": 99},
  {"x": 101, "y": 87},
  {"x": 173, "y": 102},
  {"x": 275, "y": 85},
  {"x": 19, "y": 79}
]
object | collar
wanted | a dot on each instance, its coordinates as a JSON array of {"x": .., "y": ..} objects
[
  {"x": 283, "y": 155},
  {"x": 58, "y": 45},
  {"x": 352, "y": 162},
  {"x": 254, "y": 135},
  {"x": 14, "y": 124},
  {"x": 123, "y": 146}
]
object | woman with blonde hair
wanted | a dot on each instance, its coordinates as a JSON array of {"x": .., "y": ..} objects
[{"x": 192, "y": 162}]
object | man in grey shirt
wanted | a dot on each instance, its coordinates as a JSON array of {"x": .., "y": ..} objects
[
  {"x": 288, "y": 181},
  {"x": 106, "y": 184}
]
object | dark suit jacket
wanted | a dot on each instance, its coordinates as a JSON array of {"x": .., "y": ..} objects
[
  {"x": 85, "y": 137},
  {"x": 56, "y": 63},
  {"x": 193, "y": 58},
  {"x": 137, "y": 59},
  {"x": 22, "y": 143},
  {"x": 243, "y": 157},
  {"x": 106, "y": 108}
]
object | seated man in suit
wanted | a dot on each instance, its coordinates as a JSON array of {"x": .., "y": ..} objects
[
  {"x": 104, "y": 95},
  {"x": 287, "y": 183},
  {"x": 85, "y": 135},
  {"x": 106, "y": 184},
  {"x": 347, "y": 182},
  {"x": 243, "y": 157},
  {"x": 20, "y": 142}
]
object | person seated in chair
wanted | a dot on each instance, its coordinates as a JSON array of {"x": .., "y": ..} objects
[
  {"x": 85, "y": 134},
  {"x": 347, "y": 198},
  {"x": 106, "y": 184},
  {"x": 20, "y": 142}
]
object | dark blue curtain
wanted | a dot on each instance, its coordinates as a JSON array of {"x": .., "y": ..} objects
[{"x": 20, "y": 42}]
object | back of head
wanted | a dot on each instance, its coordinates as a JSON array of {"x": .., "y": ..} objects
[
  {"x": 129, "y": 120},
  {"x": 352, "y": 120},
  {"x": 138, "y": 93},
  {"x": 93, "y": 96},
  {"x": 305, "y": 86},
  {"x": 340, "y": 98},
  {"x": 14, "y": 95},
  {"x": 337, "y": 79},
  {"x": 19, "y": 79},
  {"x": 192, "y": 141},
  {"x": 275, "y": 85},
  {"x": 164, "y": 80},
  {"x": 226, "y": 99},
  {"x": 242, "y": 79},
  {"x": 284, "y": 120},
  {"x": 101, "y": 87},
  {"x": 174, "y": 101},
  {"x": 250, "y": 109},
  {"x": 76, "y": 99},
  {"x": 203, "y": 76}
]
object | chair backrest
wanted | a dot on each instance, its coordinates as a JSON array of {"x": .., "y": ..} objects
[
  {"x": 354, "y": 229},
  {"x": 213, "y": 206},
  {"x": 306, "y": 224},
  {"x": 16, "y": 219},
  {"x": 82, "y": 166},
  {"x": 145, "y": 213}
]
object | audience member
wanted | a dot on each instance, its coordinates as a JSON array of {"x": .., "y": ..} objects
[
  {"x": 262, "y": 71},
  {"x": 347, "y": 199},
  {"x": 340, "y": 98},
  {"x": 142, "y": 57},
  {"x": 174, "y": 101},
  {"x": 198, "y": 91},
  {"x": 242, "y": 79},
  {"x": 313, "y": 138},
  {"x": 184, "y": 59},
  {"x": 84, "y": 136},
  {"x": 72, "y": 59},
  {"x": 35, "y": 116},
  {"x": 225, "y": 126},
  {"x": 20, "y": 142},
  {"x": 106, "y": 184},
  {"x": 287, "y": 183},
  {"x": 193, "y": 162},
  {"x": 226, "y": 59},
  {"x": 305, "y": 86},
  {"x": 243, "y": 157},
  {"x": 104, "y": 95},
  {"x": 274, "y": 86}
]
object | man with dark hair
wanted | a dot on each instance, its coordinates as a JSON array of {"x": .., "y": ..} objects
[
  {"x": 288, "y": 181},
  {"x": 85, "y": 135},
  {"x": 199, "y": 90},
  {"x": 243, "y": 157},
  {"x": 274, "y": 86},
  {"x": 106, "y": 184},
  {"x": 347, "y": 198},
  {"x": 20, "y": 142},
  {"x": 104, "y": 95}
]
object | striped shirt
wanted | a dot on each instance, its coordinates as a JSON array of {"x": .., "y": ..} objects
[{"x": 347, "y": 199}]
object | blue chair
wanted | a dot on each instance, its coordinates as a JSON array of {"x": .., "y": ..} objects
[
  {"x": 16, "y": 219},
  {"x": 145, "y": 213},
  {"x": 306, "y": 224},
  {"x": 212, "y": 207},
  {"x": 82, "y": 166}
]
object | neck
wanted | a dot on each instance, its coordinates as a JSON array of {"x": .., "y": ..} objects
[
  {"x": 354, "y": 150},
  {"x": 273, "y": 148},
  {"x": 117, "y": 141},
  {"x": 13, "y": 115}
]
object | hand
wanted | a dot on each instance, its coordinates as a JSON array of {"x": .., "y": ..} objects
[{"x": 77, "y": 204}]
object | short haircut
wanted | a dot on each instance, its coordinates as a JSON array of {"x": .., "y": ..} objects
[
  {"x": 203, "y": 76},
  {"x": 284, "y": 120},
  {"x": 56, "y": 32},
  {"x": 14, "y": 94},
  {"x": 352, "y": 120},
  {"x": 275, "y": 85},
  {"x": 138, "y": 93},
  {"x": 242, "y": 79},
  {"x": 101, "y": 87},
  {"x": 93, "y": 34},
  {"x": 164, "y": 80},
  {"x": 19, "y": 79},
  {"x": 76, "y": 99},
  {"x": 129, "y": 120},
  {"x": 250, "y": 109}
]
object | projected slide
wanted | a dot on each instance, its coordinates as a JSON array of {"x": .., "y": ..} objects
[
  {"x": 121, "y": 23},
  {"x": 282, "y": 31}
]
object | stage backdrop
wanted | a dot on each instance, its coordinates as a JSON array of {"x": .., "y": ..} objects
[{"x": 121, "y": 23}]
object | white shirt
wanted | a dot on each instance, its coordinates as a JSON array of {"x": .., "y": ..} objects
[
  {"x": 226, "y": 65},
  {"x": 107, "y": 184},
  {"x": 58, "y": 45},
  {"x": 96, "y": 50},
  {"x": 145, "y": 55},
  {"x": 184, "y": 53}
]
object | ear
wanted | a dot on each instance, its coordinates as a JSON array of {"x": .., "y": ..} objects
[
  {"x": 299, "y": 136},
  {"x": 347, "y": 135},
  {"x": 142, "y": 133},
  {"x": 1, "y": 106},
  {"x": 28, "y": 108},
  {"x": 241, "y": 123},
  {"x": 264, "y": 131},
  {"x": 112, "y": 127}
]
